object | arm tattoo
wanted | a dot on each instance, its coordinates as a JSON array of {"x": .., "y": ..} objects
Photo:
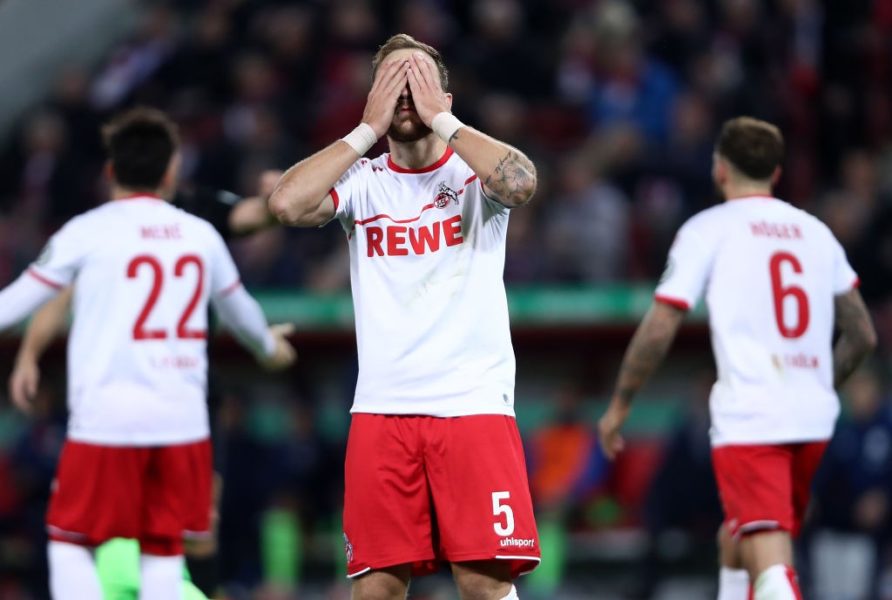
[
  {"x": 647, "y": 349},
  {"x": 513, "y": 181},
  {"x": 857, "y": 336}
]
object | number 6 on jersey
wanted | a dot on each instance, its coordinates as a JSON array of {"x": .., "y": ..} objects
[{"x": 782, "y": 292}]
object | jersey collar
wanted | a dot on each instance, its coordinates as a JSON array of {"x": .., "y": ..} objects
[
  {"x": 141, "y": 197},
  {"x": 433, "y": 167},
  {"x": 753, "y": 197}
]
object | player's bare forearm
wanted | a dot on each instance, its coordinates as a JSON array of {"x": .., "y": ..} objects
[
  {"x": 857, "y": 337},
  {"x": 301, "y": 198},
  {"x": 46, "y": 324},
  {"x": 250, "y": 216},
  {"x": 646, "y": 351},
  {"x": 506, "y": 173}
]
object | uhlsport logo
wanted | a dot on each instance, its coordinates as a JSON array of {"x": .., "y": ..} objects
[
  {"x": 348, "y": 548},
  {"x": 445, "y": 194},
  {"x": 513, "y": 542}
]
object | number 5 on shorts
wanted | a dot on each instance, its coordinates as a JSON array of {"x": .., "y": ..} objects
[{"x": 499, "y": 509}]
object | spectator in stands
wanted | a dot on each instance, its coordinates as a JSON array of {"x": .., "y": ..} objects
[
  {"x": 629, "y": 87},
  {"x": 587, "y": 228},
  {"x": 854, "y": 496},
  {"x": 682, "y": 509}
]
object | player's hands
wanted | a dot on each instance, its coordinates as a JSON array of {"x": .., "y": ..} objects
[
  {"x": 608, "y": 430},
  {"x": 284, "y": 355},
  {"x": 427, "y": 93},
  {"x": 23, "y": 383},
  {"x": 390, "y": 81}
]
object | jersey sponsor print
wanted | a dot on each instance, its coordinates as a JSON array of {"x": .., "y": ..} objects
[{"x": 427, "y": 252}]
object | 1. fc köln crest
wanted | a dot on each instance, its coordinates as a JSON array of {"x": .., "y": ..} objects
[{"x": 445, "y": 194}]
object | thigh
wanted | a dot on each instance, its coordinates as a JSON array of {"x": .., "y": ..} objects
[
  {"x": 97, "y": 493},
  {"x": 387, "y": 511},
  {"x": 481, "y": 494},
  {"x": 755, "y": 487},
  {"x": 178, "y": 497}
]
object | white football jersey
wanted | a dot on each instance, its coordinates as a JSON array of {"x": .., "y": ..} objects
[
  {"x": 143, "y": 272},
  {"x": 427, "y": 252},
  {"x": 770, "y": 273}
]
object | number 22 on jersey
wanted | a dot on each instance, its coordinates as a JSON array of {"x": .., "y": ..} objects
[{"x": 156, "y": 271}]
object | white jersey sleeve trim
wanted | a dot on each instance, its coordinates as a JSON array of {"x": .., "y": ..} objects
[
  {"x": 33, "y": 272},
  {"x": 672, "y": 301},
  {"x": 229, "y": 288}
]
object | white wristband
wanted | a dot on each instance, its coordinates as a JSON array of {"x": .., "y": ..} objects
[
  {"x": 445, "y": 124},
  {"x": 362, "y": 138}
]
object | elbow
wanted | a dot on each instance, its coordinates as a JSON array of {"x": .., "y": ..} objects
[
  {"x": 870, "y": 340},
  {"x": 525, "y": 193},
  {"x": 519, "y": 195},
  {"x": 525, "y": 183},
  {"x": 283, "y": 208}
]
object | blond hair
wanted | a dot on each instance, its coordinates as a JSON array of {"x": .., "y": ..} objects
[{"x": 402, "y": 41}]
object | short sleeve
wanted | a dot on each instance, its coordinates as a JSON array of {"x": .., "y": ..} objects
[
  {"x": 493, "y": 204},
  {"x": 224, "y": 276},
  {"x": 844, "y": 277},
  {"x": 61, "y": 258},
  {"x": 687, "y": 269},
  {"x": 348, "y": 189}
]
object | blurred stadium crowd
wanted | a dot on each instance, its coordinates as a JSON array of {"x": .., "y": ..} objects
[{"x": 616, "y": 102}]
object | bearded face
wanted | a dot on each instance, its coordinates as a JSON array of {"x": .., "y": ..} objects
[{"x": 407, "y": 126}]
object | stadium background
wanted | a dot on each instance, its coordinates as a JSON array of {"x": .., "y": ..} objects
[{"x": 618, "y": 104}]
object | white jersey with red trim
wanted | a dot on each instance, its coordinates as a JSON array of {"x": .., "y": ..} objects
[
  {"x": 427, "y": 253},
  {"x": 770, "y": 273},
  {"x": 143, "y": 272}
]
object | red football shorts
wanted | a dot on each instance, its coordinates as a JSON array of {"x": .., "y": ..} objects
[
  {"x": 157, "y": 495},
  {"x": 764, "y": 487},
  {"x": 420, "y": 490}
]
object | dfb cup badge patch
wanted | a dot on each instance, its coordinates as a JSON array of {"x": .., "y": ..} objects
[
  {"x": 348, "y": 548},
  {"x": 445, "y": 194}
]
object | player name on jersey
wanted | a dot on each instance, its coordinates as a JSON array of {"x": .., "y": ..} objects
[
  {"x": 784, "y": 231},
  {"x": 401, "y": 240},
  {"x": 161, "y": 232}
]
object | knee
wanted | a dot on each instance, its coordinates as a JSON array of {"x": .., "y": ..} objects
[
  {"x": 483, "y": 589},
  {"x": 380, "y": 585},
  {"x": 477, "y": 585}
]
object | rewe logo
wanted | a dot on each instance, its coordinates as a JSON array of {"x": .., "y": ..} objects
[{"x": 402, "y": 240}]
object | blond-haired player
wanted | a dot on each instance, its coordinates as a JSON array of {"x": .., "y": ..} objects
[{"x": 435, "y": 468}]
